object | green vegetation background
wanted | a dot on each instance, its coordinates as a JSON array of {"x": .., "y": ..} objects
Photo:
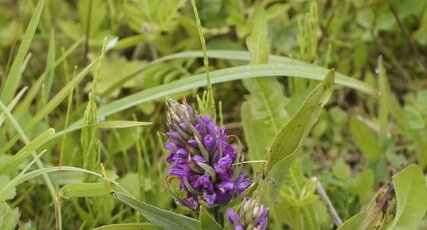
[{"x": 55, "y": 73}]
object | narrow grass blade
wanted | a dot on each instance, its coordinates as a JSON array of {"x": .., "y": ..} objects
[
  {"x": 13, "y": 77},
  {"x": 35, "y": 173},
  {"x": 26, "y": 151},
  {"x": 50, "y": 68},
  {"x": 12, "y": 104},
  {"x": 225, "y": 75},
  {"x": 25, "y": 104},
  {"x": 61, "y": 95},
  {"x": 245, "y": 57}
]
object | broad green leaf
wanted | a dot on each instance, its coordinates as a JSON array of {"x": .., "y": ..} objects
[
  {"x": 13, "y": 77},
  {"x": 207, "y": 221},
  {"x": 257, "y": 41},
  {"x": 132, "y": 184},
  {"x": 162, "y": 218},
  {"x": 341, "y": 170},
  {"x": 94, "y": 20},
  {"x": 362, "y": 185},
  {"x": 156, "y": 15},
  {"x": 83, "y": 190},
  {"x": 411, "y": 193},
  {"x": 355, "y": 222},
  {"x": 365, "y": 139},
  {"x": 291, "y": 137},
  {"x": 114, "y": 68},
  {"x": 414, "y": 118},
  {"x": 266, "y": 103},
  {"x": 141, "y": 226},
  {"x": 258, "y": 144}
]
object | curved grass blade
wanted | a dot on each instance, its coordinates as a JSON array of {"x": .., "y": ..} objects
[
  {"x": 162, "y": 218},
  {"x": 225, "y": 75},
  {"x": 12, "y": 104},
  {"x": 240, "y": 56},
  {"x": 26, "y": 151}
]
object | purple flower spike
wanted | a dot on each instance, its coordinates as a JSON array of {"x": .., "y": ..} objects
[
  {"x": 253, "y": 216},
  {"x": 201, "y": 157}
]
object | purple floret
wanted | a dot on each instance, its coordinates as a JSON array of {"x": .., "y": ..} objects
[
  {"x": 253, "y": 216},
  {"x": 201, "y": 157}
]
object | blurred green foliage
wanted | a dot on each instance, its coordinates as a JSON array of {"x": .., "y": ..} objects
[{"x": 359, "y": 142}]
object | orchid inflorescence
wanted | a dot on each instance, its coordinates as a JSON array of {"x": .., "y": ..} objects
[
  {"x": 206, "y": 165},
  {"x": 201, "y": 158}
]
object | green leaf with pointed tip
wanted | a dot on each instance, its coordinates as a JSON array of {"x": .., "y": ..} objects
[
  {"x": 162, "y": 218},
  {"x": 411, "y": 193},
  {"x": 365, "y": 139},
  {"x": 291, "y": 137},
  {"x": 207, "y": 221}
]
